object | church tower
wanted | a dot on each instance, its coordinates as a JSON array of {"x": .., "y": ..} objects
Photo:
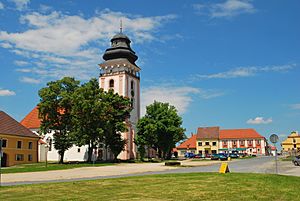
[{"x": 120, "y": 73}]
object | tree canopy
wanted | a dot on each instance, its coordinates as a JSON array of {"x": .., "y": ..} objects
[
  {"x": 88, "y": 116},
  {"x": 55, "y": 111},
  {"x": 160, "y": 129}
]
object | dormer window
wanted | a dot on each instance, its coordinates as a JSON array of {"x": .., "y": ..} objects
[{"x": 111, "y": 83}]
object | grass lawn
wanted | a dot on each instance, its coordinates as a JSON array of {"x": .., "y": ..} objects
[
  {"x": 36, "y": 167},
  {"x": 193, "y": 186}
]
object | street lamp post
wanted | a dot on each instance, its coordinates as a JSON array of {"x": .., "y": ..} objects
[
  {"x": 274, "y": 139},
  {"x": 46, "y": 151}
]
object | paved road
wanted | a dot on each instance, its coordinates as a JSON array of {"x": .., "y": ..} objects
[{"x": 255, "y": 165}]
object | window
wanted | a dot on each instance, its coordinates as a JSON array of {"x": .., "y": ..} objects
[
  {"x": 214, "y": 143},
  {"x": 19, "y": 157},
  {"x": 19, "y": 144},
  {"x": 4, "y": 143},
  {"x": 250, "y": 142},
  {"x": 234, "y": 142},
  {"x": 199, "y": 143},
  {"x": 29, "y": 157},
  {"x": 78, "y": 150},
  {"x": 30, "y": 145},
  {"x": 213, "y": 151},
  {"x": 132, "y": 85},
  {"x": 206, "y": 143},
  {"x": 111, "y": 83},
  {"x": 225, "y": 142},
  {"x": 242, "y": 142},
  {"x": 257, "y": 141}
]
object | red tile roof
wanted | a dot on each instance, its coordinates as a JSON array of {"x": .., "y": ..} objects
[
  {"x": 239, "y": 134},
  {"x": 32, "y": 120},
  {"x": 10, "y": 126},
  {"x": 208, "y": 132},
  {"x": 189, "y": 143}
]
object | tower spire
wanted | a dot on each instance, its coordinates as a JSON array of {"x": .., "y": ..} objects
[{"x": 121, "y": 26}]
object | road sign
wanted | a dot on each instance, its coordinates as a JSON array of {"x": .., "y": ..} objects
[
  {"x": 274, "y": 138},
  {"x": 224, "y": 168}
]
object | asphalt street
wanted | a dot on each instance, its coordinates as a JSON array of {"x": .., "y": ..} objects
[{"x": 263, "y": 164}]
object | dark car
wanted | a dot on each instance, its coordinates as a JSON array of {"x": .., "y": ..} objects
[
  {"x": 223, "y": 157},
  {"x": 214, "y": 157},
  {"x": 296, "y": 160},
  {"x": 232, "y": 155},
  {"x": 189, "y": 155},
  {"x": 198, "y": 156}
]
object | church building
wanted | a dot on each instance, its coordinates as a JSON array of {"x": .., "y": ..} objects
[{"x": 120, "y": 73}]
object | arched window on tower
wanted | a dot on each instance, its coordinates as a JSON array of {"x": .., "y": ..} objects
[
  {"x": 132, "y": 85},
  {"x": 111, "y": 83}
]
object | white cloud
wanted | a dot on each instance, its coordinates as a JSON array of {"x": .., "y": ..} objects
[
  {"x": 21, "y": 63},
  {"x": 30, "y": 80},
  {"x": 245, "y": 72},
  {"x": 1, "y": 6},
  {"x": 229, "y": 8},
  {"x": 295, "y": 106},
  {"x": 180, "y": 97},
  {"x": 71, "y": 44},
  {"x": 6, "y": 92},
  {"x": 260, "y": 120},
  {"x": 21, "y": 4}
]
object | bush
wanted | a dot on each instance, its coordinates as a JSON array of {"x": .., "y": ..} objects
[{"x": 173, "y": 163}]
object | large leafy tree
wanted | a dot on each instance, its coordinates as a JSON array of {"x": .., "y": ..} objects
[
  {"x": 89, "y": 115},
  {"x": 117, "y": 114},
  {"x": 55, "y": 111},
  {"x": 160, "y": 129}
]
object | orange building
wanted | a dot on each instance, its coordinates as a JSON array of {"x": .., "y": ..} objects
[
  {"x": 188, "y": 146},
  {"x": 19, "y": 144}
]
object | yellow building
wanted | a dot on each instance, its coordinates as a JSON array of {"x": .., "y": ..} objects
[
  {"x": 292, "y": 143},
  {"x": 19, "y": 144},
  {"x": 207, "y": 140}
]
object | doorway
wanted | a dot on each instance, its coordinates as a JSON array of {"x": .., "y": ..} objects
[{"x": 4, "y": 160}]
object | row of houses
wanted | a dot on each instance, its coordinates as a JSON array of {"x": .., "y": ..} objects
[{"x": 211, "y": 140}]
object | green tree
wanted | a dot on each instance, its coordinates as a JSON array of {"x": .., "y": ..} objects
[
  {"x": 117, "y": 113},
  {"x": 55, "y": 112},
  {"x": 89, "y": 116},
  {"x": 160, "y": 129}
]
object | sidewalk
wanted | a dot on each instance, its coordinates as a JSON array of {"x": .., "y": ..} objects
[{"x": 92, "y": 172}]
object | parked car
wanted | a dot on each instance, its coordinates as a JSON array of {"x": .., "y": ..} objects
[
  {"x": 214, "y": 157},
  {"x": 189, "y": 155},
  {"x": 296, "y": 160},
  {"x": 223, "y": 157},
  {"x": 232, "y": 155},
  {"x": 208, "y": 155},
  {"x": 198, "y": 156},
  {"x": 220, "y": 156}
]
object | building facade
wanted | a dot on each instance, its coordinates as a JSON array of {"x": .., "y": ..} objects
[
  {"x": 291, "y": 145},
  {"x": 120, "y": 73},
  {"x": 207, "y": 140},
  {"x": 19, "y": 144},
  {"x": 246, "y": 141},
  {"x": 188, "y": 146},
  {"x": 210, "y": 140}
]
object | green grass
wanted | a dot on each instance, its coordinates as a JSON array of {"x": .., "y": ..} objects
[
  {"x": 36, "y": 167},
  {"x": 193, "y": 186},
  {"x": 287, "y": 158}
]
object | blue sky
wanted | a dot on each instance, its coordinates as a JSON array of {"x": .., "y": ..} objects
[{"x": 228, "y": 63}]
